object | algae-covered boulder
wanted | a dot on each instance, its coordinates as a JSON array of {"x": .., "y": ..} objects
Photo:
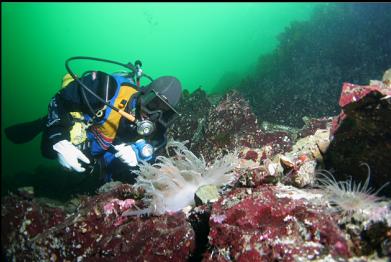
[
  {"x": 361, "y": 133},
  {"x": 273, "y": 223},
  {"x": 94, "y": 231}
]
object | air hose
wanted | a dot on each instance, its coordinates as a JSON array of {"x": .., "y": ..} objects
[{"x": 129, "y": 66}]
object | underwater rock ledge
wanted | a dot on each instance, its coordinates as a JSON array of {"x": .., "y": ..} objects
[
  {"x": 361, "y": 133},
  {"x": 261, "y": 216},
  {"x": 94, "y": 231}
]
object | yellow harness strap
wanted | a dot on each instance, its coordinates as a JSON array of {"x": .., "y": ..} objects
[
  {"x": 109, "y": 128},
  {"x": 106, "y": 131}
]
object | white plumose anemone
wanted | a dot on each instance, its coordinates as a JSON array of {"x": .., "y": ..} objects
[
  {"x": 170, "y": 183},
  {"x": 356, "y": 200}
]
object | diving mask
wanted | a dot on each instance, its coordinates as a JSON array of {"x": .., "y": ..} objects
[{"x": 155, "y": 104}]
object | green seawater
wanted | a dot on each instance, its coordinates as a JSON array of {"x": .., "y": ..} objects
[{"x": 208, "y": 45}]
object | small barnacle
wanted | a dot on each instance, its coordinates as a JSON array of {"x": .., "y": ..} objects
[{"x": 99, "y": 238}]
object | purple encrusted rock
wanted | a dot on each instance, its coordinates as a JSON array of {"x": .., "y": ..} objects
[{"x": 272, "y": 223}]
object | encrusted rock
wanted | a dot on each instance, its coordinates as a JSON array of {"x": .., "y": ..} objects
[
  {"x": 361, "y": 134},
  {"x": 230, "y": 124},
  {"x": 387, "y": 77},
  {"x": 191, "y": 123},
  {"x": 107, "y": 187},
  {"x": 96, "y": 231},
  {"x": 313, "y": 124},
  {"x": 305, "y": 175},
  {"x": 26, "y": 192},
  {"x": 274, "y": 223},
  {"x": 206, "y": 194},
  {"x": 286, "y": 163}
]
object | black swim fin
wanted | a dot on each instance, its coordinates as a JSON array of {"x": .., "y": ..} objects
[{"x": 25, "y": 132}]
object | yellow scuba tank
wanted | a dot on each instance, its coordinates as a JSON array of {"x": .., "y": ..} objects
[{"x": 78, "y": 132}]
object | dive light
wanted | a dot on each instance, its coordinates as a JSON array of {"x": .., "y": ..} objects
[
  {"x": 145, "y": 127},
  {"x": 143, "y": 150}
]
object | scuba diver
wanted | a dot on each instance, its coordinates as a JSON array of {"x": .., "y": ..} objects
[{"x": 105, "y": 121}]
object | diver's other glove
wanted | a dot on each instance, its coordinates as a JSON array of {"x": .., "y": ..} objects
[
  {"x": 126, "y": 154},
  {"x": 69, "y": 155}
]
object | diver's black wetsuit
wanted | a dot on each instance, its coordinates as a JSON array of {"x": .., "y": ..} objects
[{"x": 70, "y": 99}]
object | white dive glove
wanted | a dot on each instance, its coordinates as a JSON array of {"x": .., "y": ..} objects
[
  {"x": 69, "y": 155},
  {"x": 126, "y": 154}
]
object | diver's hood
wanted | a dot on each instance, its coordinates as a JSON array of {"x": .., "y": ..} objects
[{"x": 159, "y": 99}]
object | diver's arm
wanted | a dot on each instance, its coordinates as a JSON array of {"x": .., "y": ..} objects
[
  {"x": 59, "y": 121},
  {"x": 71, "y": 99}
]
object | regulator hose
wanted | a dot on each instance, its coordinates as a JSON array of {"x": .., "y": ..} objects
[{"x": 128, "y": 65}]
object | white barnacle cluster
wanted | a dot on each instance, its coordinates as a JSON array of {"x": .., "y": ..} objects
[{"x": 171, "y": 182}]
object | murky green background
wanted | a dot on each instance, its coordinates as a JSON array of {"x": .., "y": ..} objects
[{"x": 203, "y": 44}]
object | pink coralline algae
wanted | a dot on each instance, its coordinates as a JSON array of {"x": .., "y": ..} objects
[
  {"x": 355, "y": 97},
  {"x": 352, "y": 93},
  {"x": 218, "y": 218},
  {"x": 96, "y": 231},
  {"x": 115, "y": 204},
  {"x": 251, "y": 155},
  {"x": 117, "y": 207},
  {"x": 313, "y": 124},
  {"x": 269, "y": 226}
]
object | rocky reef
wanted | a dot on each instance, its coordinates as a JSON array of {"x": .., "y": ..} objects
[
  {"x": 228, "y": 125},
  {"x": 276, "y": 208},
  {"x": 303, "y": 75},
  {"x": 92, "y": 229},
  {"x": 361, "y": 133},
  {"x": 273, "y": 223}
]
